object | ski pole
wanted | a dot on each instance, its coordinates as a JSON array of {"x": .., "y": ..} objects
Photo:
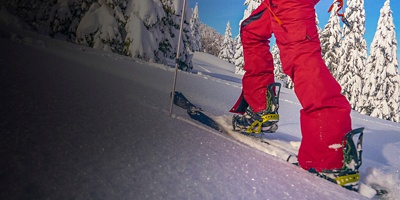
[{"x": 177, "y": 59}]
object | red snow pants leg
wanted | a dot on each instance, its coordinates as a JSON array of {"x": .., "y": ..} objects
[
  {"x": 255, "y": 33},
  {"x": 325, "y": 117}
]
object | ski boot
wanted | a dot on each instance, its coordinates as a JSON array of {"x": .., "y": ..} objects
[
  {"x": 265, "y": 121},
  {"x": 349, "y": 176}
]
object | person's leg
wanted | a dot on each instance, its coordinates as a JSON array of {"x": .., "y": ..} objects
[
  {"x": 325, "y": 117},
  {"x": 258, "y": 61}
]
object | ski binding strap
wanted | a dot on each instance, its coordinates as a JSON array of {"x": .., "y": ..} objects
[
  {"x": 255, "y": 127},
  {"x": 347, "y": 179}
]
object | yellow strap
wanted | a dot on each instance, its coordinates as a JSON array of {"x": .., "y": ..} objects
[
  {"x": 270, "y": 117},
  {"x": 255, "y": 127},
  {"x": 351, "y": 178}
]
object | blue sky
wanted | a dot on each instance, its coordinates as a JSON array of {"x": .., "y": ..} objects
[{"x": 217, "y": 14}]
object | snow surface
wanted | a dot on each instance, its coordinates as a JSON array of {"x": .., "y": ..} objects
[{"x": 78, "y": 123}]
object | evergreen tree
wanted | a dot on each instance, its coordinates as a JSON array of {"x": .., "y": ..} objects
[
  {"x": 143, "y": 33},
  {"x": 171, "y": 28},
  {"x": 99, "y": 27},
  {"x": 62, "y": 17},
  {"x": 228, "y": 46},
  {"x": 330, "y": 39},
  {"x": 35, "y": 12},
  {"x": 146, "y": 29},
  {"x": 211, "y": 40},
  {"x": 238, "y": 57},
  {"x": 353, "y": 53},
  {"x": 50, "y": 17},
  {"x": 277, "y": 63},
  {"x": 195, "y": 27},
  {"x": 152, "y": 30},
  {"x": 381, "y": 87}
]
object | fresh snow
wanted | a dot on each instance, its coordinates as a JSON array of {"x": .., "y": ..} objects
[{"x": 79, "y": 123}]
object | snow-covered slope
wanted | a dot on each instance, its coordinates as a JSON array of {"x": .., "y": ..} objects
[{"x": 78, "y": 123}]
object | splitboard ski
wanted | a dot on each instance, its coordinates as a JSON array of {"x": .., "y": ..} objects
[
  {"x": 196, "y": 113},
  {"x": 285, "y": 150},
  {"x": 221, "y": 124}
]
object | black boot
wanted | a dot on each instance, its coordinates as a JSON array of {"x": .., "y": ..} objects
[{"x": 265, "y": 121}]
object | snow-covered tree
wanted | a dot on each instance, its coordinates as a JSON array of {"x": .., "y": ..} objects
[
  {"x": 152, "y": 30},
  {"x": 330, "y": 40},
  {"x": 251, "y": 6},
  {"x": 143, "y": 34},
  {"x": 353, "y": 53},
  {"x": 171, "y": 27},
  {"x": 238, "y": 57},
  {"x": 239, "y": 61},
  {"x": 381, "y": 86},
  {"x": 48, "y": 17},
  {"x": 146, "y": 29},
  {"x": 99, "y": 27},
  {"x": 64, "y": 18},
  {"x": 195, "y": 27},
  {"x": 228, "y": 46},
  {"x": 277, "y": 63},
  {"x": 211, "y": 40}
]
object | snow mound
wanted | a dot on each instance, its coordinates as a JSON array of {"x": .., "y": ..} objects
[{"x": 384, "y": 179}]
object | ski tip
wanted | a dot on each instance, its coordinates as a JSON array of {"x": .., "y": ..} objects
[
  {"x": 176, "y": 93},
  {"x": 292, "y": 159}
]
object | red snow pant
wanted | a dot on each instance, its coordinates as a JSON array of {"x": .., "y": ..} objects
[{"x": 325, "y": 117}]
